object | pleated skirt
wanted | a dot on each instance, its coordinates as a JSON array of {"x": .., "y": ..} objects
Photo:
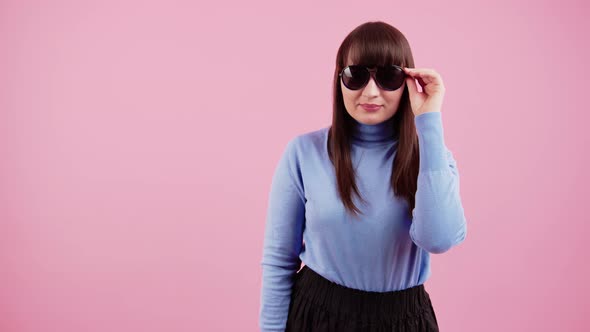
[{"x": 318, "y": 304}]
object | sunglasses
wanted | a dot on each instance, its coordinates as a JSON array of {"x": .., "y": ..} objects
[{"x": 388, "y": 78}]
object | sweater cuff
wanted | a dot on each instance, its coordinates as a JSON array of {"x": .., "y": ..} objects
[{"x": 431, "y": 141}]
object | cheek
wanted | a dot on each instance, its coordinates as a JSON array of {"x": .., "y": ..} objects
[
  {"x": 395, "y": 96},
  {"x": 348, "y": 96}
]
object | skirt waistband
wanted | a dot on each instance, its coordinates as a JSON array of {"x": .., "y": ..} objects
[{"x": 334, "y": 297}]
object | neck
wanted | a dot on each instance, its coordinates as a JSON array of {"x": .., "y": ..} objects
[{"x": 374, "y": 133}]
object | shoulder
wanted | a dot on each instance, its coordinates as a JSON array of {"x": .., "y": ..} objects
[
  {"x": 308, "y": 140},
  {"x": 301, "y": 153}
]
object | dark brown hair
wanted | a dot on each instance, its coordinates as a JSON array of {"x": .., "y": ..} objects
[{"x": 374, "y": 44}]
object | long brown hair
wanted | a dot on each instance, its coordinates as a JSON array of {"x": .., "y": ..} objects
[{"x": 375, "y": 43}]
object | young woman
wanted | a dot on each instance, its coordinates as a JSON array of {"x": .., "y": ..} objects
[{"x": 364, "y": 202}]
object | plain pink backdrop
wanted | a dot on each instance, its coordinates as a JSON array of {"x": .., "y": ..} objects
[{"x": 138, "y": 141}]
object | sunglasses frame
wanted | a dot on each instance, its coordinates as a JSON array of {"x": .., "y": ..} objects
[{"x": 372, "y": 73}]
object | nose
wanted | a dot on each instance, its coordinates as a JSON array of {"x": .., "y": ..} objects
[{"x": 371, "y": 89}]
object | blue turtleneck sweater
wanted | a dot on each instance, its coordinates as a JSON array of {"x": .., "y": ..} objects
[{"x": 383, "y": 251}]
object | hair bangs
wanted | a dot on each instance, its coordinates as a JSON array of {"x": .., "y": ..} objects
[{"x": 374, "y": 48}]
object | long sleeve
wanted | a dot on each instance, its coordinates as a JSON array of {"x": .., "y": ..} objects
[
  {"x": 283, "y": 238},
  {"x": 438, "y": 222}
]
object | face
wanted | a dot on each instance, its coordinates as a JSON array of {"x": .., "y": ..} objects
[{"x": 388, "y": 101}]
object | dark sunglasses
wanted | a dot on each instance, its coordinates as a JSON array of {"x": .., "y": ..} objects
[{"x": 388, "y": 78}]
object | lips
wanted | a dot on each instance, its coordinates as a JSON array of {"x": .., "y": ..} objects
[{"x": 370, "y": 107}]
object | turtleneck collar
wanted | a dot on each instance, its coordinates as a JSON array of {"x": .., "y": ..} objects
[{"x": 374, "y": 133}]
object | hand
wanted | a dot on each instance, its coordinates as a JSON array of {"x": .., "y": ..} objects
[{"x": 433, "y": 90}]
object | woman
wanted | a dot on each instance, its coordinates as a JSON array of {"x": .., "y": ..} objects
[{"x": 364, "y": 202}]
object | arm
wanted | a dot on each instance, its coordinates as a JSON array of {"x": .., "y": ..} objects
[
  {"x": 438, "y": 218},
  {"x": 282, "y": 241}
]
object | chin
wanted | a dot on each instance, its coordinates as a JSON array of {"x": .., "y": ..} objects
[{"x": 372, "y": 118}]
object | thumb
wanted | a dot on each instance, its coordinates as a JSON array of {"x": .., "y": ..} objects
[{"x": 411, "y": 83}]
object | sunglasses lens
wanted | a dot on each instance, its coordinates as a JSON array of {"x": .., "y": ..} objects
[
  {"x": 390, "y": 77},
  {"x": 355, "y": 77}
]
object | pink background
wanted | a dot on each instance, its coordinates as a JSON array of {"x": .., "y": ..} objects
[{"x": 138, "y": 141}]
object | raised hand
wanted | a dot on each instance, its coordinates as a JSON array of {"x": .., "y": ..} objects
[{"x": 431, "y": 98}]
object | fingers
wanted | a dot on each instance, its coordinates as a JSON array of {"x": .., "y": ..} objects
[
  {"x": 424, "y": 75},
  {"x": 414, "y": 76},
  {"x": 420, "y": 71},
  {"x": 411, "y": 84},
  {"x": 421, "y": 81}
]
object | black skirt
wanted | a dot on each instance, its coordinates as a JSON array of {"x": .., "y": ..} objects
[{"x": 318, "y": 304}]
